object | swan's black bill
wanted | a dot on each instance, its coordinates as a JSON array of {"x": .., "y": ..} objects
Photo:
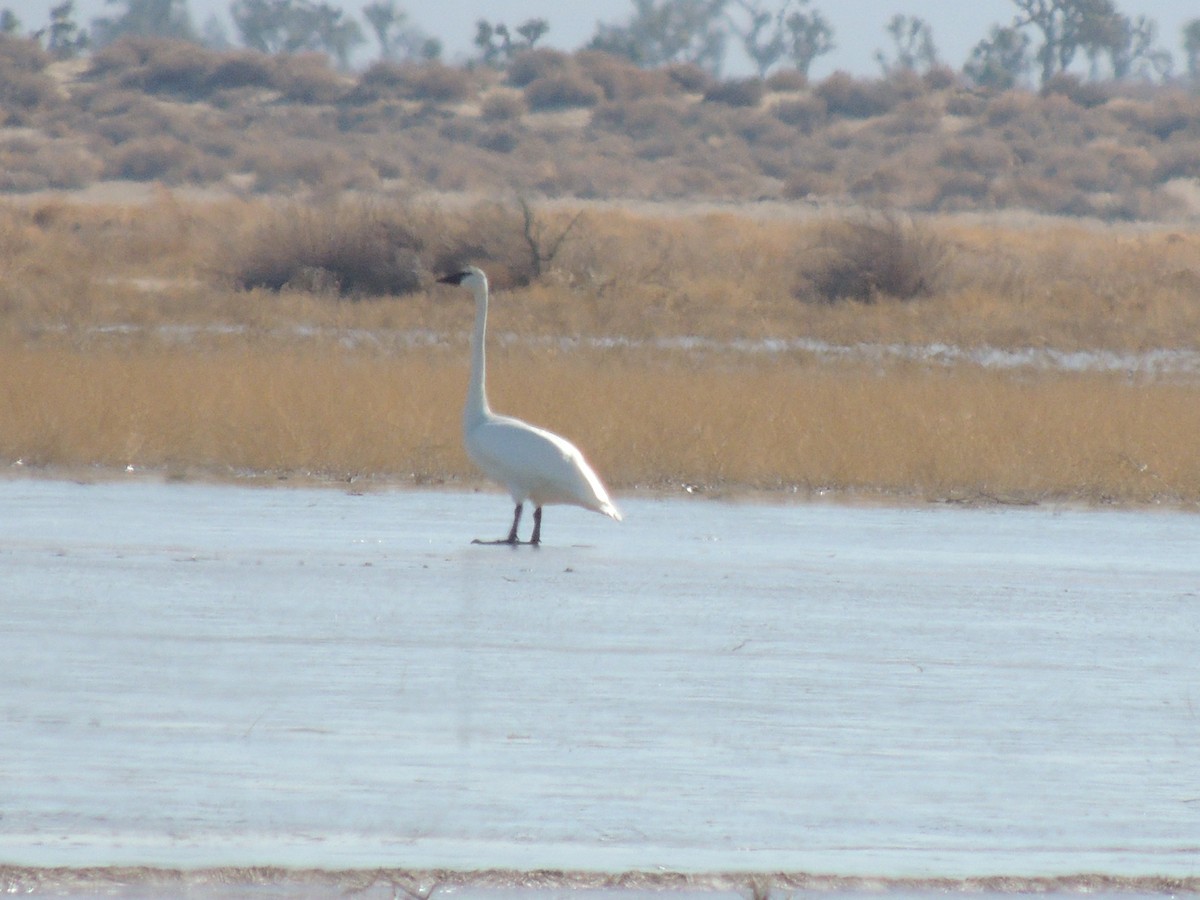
[{"x": 456, "y": 278}]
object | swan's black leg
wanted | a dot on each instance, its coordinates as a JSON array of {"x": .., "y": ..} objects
[
  {"x": 537, "y": 526},
  {"x": 512, "y": 532}
]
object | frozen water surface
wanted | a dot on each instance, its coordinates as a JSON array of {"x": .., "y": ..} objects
[{"x": 207, "y": 676}]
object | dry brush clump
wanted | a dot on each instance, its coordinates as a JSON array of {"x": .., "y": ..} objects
[
  {"x": 650, "y": 274},
  {"x": 351, "y": 249},
  {"x": 875, "y": 257},
  {"x": 123, "y": 345},
  {"x": 359, "y": 248},
  {"x": 429, "y": 82},
  {"x": 25, "y": 82}
]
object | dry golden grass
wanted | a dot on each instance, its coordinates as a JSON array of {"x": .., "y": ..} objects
[
  {"x": 1048, "y": 283},
  {"x": 335, "y": 413},
  {"x": 122, "y": 343},
  {"x": 237, "y": 408}
]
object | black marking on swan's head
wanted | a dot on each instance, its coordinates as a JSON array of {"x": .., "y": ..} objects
[{"x": 460, "y": 277}]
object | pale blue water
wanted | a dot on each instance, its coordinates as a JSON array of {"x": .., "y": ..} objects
[{"x": 199, "y": 675}]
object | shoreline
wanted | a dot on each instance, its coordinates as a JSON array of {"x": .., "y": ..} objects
[
  {"x": 784, "y": 494},
  {"x": 422, "y": 883}
]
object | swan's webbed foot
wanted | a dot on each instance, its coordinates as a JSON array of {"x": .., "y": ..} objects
[{"x": 511, "y": 540}]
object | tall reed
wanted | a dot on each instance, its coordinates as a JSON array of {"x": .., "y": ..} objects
[{"x": 331, "y": 412}]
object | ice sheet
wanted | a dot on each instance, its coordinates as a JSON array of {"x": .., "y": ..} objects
[{"x": 210, "y": 675}]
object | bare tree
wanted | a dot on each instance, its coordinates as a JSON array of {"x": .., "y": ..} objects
[
  {"x": 150, "y": 18},
  {"x": 542, "y": 249},
  {"x": 397, "y": 39},
  {"x": 290, "y": 26},
  {"x": 1000, "y": 60},
  {"x": 1191, "y": 46},
  {"x": 1130, "y": 45},
  {"x": 1066, "y": 26},
  {"x": 913, "y": 41},
  {"x": 788, "y": 34},
  {"x": 809, "y": 35},
  {"x": 497, "y": 45},
  {"x": 665, "y": 31},
  {"x": 761, "y": 33},
  {"x": 64, "y": 38}
]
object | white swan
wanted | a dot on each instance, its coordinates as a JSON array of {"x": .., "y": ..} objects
[{"x": 532, "y": 463}]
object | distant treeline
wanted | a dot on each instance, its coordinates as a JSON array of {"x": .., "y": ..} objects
[
  {"x": 1044, "y": 39},
  {"x": 593, "y": 124}
]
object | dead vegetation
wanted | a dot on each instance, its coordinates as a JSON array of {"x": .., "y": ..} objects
[
  {"x": 124, "y": 341},
  {"x": 868, "y": 258},
  {"x": 588, "y": 125}
]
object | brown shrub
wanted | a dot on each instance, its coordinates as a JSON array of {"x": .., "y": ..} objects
[
  {"x": 621, "y": 80},
  {"x": 648, "y": 117},
  {"x": 787, "y": 80},
  {"x": 940, "y": 78},
  {"x": 22, "y": 54},
  {"x": 1180, "y": 158},
  {"x": 804, "y": 183},
  {"x": 499, "y": 140},
  {"x": 21, "y": 92},
  {"x": 1134, "y": 163},
  {"x": 847, "y": 96},
  {"x": 1166, "y": 113},
  {"x": 119, "y": 56},
  {"x": 737, "y": 92},
  {"x": 965, "y": 103},
  {"x": 530, "y": 65},
  {"x": 689, "y": 76},
  {"x": 1029, "y": 190},
  {"x": 763, "y": 133},
  {"x": 962, "y": 190},
  {"x": 976, "y": 154},
  {"x": 184, "y": 69},
  {"x": 870, "y": 258},
  {"x": 35, "y": 165},
  {"x": 307, "y": 78},
  {"x": 24, "y": 84},
  {"x": 130, "y": 125},
  {"x": 805, "y": 113},
  {"x": 353, "y": 249},
  {"x": 431, "y": 82},
  {"x": 173, "y": 67},
  {"x": 1009, "y": 107},
  {"x": 492, "y": 235},
  {"x": 904, "y": 84},
  {"x": 242, "y": 69},
  {"x": 286, "y": 163},
  {"x": 916, "y": 116},
  {"x": 1082, "y": 93},
  {"x": 502, "y": 106},
  {"x": 1087, "y": 172},
  {"x": 562, "y": 91},
  {"x": 154, "y": 158}
]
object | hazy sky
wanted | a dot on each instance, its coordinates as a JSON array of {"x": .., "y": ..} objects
[{"x": 858, "y": 24}]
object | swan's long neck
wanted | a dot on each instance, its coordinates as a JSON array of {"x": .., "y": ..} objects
[{"x": 477, "y": 405}]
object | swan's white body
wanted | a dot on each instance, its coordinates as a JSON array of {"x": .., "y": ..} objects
[{"x": 533, "y": 464}]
